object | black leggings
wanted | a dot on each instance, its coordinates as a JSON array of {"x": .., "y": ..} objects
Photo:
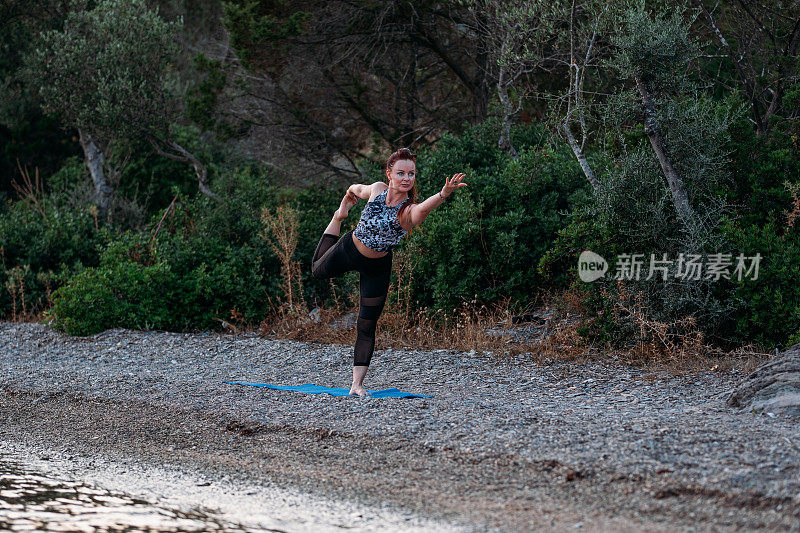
[{"x": 333, "y": 258}]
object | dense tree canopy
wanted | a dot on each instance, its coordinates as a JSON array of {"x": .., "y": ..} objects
[{"x": 670, "y": 127}]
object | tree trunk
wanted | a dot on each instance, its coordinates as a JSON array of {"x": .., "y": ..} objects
[
  {"x": 481, "y": 85},
  {"x": 679, "y": 197},
  {"x": 103, "y": 191},
  {"x": 199, "y": 169},
  {"x": 480, "y": 94},
  {"x": 186, "y": 156},
  {"x": 580, "y": 155},
  {"x": 508, "y": 111},
  {"x": 772, "y": 387}
]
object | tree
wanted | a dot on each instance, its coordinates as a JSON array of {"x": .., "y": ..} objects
[
  {"x": 109, "y": 74},
  {"x": 762, "y": 44},
  {"x": 519, "y": 39},
  {"x": 653, "y": 52},
  {"x": 345, "y": 79},
  {"x": 661, "y": 194},
  {"x": 588, "y": 23}
]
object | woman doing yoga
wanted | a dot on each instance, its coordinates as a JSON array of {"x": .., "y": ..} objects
[{"x": 390, "y": 214}]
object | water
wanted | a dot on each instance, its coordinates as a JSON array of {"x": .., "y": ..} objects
[
  {"x": 31, "y": 501},
  {"x": 46, "y": 490}
]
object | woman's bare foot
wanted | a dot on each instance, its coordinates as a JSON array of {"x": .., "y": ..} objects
[
  {"x": 361, "y": 391},
  {"x": 358, "y": 381},
  {"x": 348, "y": 201}
]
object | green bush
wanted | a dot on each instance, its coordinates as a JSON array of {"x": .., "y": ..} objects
[
  {"x": 122, "y": 294},
  {"x": 759, "y": 167},
  {"x": 205, "y": 260},
  {"x": 43, "y": 251},
  {"x": 181, "y": 282},
  {"x": 768, "y": 308},
  {"x": 190, "y": 268}
]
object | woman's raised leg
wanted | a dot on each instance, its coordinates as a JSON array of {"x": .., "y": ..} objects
[{"x": 330, "y": 236}]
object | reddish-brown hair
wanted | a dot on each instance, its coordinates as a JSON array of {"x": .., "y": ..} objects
[{"x": 403, "y": 153}]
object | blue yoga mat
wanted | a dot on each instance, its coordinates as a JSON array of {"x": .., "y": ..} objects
[{"x": 334, "y": 391}]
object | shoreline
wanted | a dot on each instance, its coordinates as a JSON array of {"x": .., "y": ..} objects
[
  {"x": 260, "y": 462},
  {"x": 225, "y": 499},
  {"x": 503, "y": 445}
]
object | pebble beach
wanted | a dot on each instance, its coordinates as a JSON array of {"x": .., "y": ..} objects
[{"x": 505, "y": 444}]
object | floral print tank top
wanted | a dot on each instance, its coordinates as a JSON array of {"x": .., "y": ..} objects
[{"x": 378, "y": 227}]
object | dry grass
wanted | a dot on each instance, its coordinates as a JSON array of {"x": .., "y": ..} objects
[
  {"x": 22, "y": 309},
  {"x": 398, "y": 328},
  {"x": 552, "y": 333},
  {"x": 679, "y": 345},
  {"x": 31, "y": 191},
  {"x": 674, "y": 348},
  {"x": 281, "y": 233}
]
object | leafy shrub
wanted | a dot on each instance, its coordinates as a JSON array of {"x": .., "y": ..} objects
[
  {"x": 42, "y": 251},
  {"x": 200, "y": 262},
  {"x": 768, "y": 308},
  {"x": 180, "y": 282},
  {"x": 197, "y": 263}
]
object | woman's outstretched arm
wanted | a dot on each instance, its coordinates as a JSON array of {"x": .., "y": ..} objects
[
  {"x": 365, "y": 192},
  {"x": 418, "y": 212}
]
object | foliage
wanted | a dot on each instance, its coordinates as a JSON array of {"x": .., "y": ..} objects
[
  {"x": 633, "y": 214},
  {"x": 281, "y": 235},
  {"x": 187, "y": 277},
  {"x": 656, "y": 47},
  {"x": 200, "y": 263},
  {"x": 759, "y": 166},
  {"x": 27, "y": 134},
  {"x": 768, "y": 310},
  {"x": 109, "y": 70},
  {"x": 252, "y": 29},
  {"x": 44, "y": 251},
  {"x": 150, "y": 179},
  {"x": 767, "y": 204},
  {"x": 202, "y": 100}
]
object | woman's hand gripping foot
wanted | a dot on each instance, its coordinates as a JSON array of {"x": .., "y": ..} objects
[{"x": 348, "y": 201}]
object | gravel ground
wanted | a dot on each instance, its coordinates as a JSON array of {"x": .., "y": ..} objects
[{"x": 504, "y": 444}]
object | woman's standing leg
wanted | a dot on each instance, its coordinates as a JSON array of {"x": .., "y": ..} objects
[{"x": 374, "y": 287}]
